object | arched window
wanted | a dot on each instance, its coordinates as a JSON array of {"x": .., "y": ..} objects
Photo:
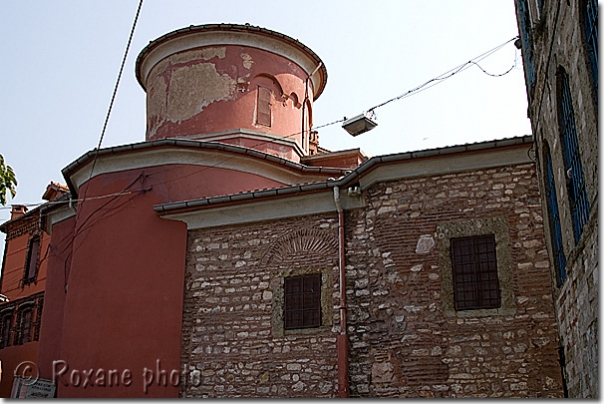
[
  {"x": 590, "y": 30},
  {"x": 554, "y": 219},
  {"x": 579, "y": 204}
]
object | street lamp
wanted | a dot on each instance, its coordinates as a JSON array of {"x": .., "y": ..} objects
[{"x": 361, "y": 123}]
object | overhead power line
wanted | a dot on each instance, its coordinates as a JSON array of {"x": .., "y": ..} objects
[
  {"x": 117, "y": 82},
  {"x": 439, "y": 79},
  {"x": 430, "y": 83}
]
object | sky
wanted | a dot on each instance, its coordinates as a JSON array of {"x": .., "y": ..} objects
[{"x": 60, "y": 60}]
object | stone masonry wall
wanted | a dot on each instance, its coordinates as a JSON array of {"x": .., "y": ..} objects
[
  {"x": 559, "y": 41},
  {"x": 577, "y": 311},
  {"x": 234, "y": 344},
  {"x": 406, "y": 339}
]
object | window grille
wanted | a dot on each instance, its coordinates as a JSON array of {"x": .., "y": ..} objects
[
  {"x": 475, "y": 281},
  {"x": 554, "y": 220},
  {"x": 302, "y": 301},
  {"x": 579, "y": 204},
  {"x": 263, "y": 111},
  {"x": 591, "y": 38}
]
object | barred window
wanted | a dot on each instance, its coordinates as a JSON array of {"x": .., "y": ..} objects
[
  {"x": 302, "y": 301},
  {"x": 590, "y": 23},
  {"x": 554, "y": 220},
  {"x": 475, "y": 281},
  {"x": 263, "y": 107},
  {"x": 579, "y": 204}
]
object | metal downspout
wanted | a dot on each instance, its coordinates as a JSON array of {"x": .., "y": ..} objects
[{"x": 342, "y": 340}]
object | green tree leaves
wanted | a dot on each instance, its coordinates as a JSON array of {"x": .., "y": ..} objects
[{"x": 8, "y": 181}]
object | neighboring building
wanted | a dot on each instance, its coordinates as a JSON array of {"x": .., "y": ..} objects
[
  {"x": 559, "y": 41},
  {"x": 229, "y": 255},
  {"x": 22, "y": 284}
]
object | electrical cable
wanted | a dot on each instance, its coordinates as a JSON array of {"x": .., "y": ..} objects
[
  {"x": 110, "y": 108},
  {"x": 416, "y": 90},
  {"x": 428, "y": 84},
  {"x": 83, "y": 226},
  {"x": 117, "y": 83},
  {"x": 451, "y": 73},
  {"x": 439, "y": 79},
  {"x": 420, "y": 88},
  {"x": 50, "y": 203}
]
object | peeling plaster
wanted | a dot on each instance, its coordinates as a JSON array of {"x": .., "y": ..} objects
[
  {"x": 199, "y": 54},
  {"x": 156, "y": 103},
  {"x": 247, "y": 60},
  {"x": 194, "y": 87}
]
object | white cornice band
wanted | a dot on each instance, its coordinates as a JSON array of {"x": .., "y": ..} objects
[{"x": 218, "y": 37}]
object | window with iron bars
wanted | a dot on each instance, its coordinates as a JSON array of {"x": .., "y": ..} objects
[
  {"x": 302, "y": 301},
  {"x": 579, "y": 203},
  {"x": 590, "y": 23},
  {"x": 475, "y": 280},
  {"x": 554, "y": 220}
]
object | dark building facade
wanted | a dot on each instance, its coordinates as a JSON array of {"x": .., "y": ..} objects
[{"x": 559, "y": 41}]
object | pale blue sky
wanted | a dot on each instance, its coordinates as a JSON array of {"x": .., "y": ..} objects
[{"x": 60, "y": 60}]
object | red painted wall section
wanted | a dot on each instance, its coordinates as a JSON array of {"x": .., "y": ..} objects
[
  {"x": 283, "y": 151},
  {"x": 51, "y": 327},
  {"x": 123, "y": 307},
  {"x": 11, "y": 357},
  {"x": 183, "y": 182},
  {"x": 124, "y": 302},
  {"x": 215, "y": 89}
]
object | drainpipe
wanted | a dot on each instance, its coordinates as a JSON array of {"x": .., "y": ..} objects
[{"x": 342, "y": 341}]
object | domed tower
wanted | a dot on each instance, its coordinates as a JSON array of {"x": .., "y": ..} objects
[{"x": 235, "y": 84}]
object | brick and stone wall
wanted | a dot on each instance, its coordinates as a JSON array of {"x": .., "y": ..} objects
[
  {"x": 406, "y": 339},
  {"x": 234, "y": 344},
  {"x": 577, "y": 311}
]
